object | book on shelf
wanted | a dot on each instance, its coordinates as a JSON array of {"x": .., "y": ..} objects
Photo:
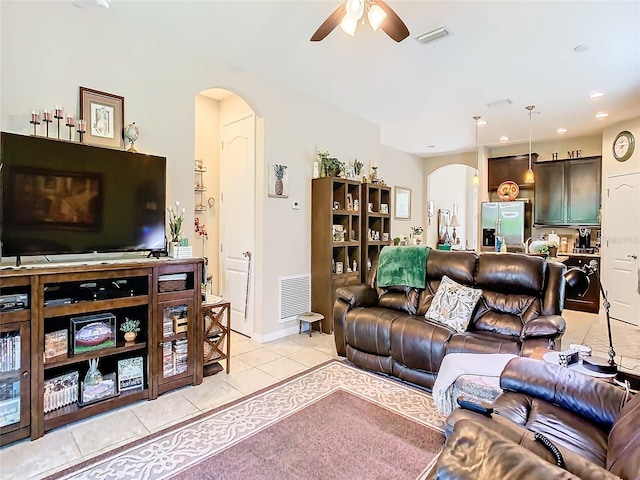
[{"x": 10, "y": 352}]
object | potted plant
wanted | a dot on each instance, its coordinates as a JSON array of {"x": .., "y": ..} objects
[
  {"x": 331, "y": 166},
  {"x": 176, "y": 218},
  {"x": 396, "y": 240},
  {"x": 130, "y": 328}
]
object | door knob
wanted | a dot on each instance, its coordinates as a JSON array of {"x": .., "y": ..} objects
[{"x": 634, "y": 256}]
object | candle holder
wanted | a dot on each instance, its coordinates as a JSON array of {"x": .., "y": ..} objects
[
  {"x": 58, "y": 116},
  {"x": 70, "y": 123},
  {"x": 81, "y": 128},
  {"x": 35, "y": 121},
  {"x": 46, "y": 118}
]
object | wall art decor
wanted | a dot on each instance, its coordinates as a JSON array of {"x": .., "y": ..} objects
[
  {"x": 403, "y": 203},
  {"x": 278, "y": 181},
  {"x": 104, "y": 117}
]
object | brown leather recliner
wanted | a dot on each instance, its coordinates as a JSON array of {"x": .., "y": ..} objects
[
  {"x": 385, "y": 329},
  {"x": 595, "y": 424}
]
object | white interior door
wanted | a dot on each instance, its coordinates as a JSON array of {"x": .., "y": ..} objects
[
  {"x": 237, "y": 220},
  {"x": 622, "y": 240}
]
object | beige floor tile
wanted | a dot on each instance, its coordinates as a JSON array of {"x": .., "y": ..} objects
[
  {"x": 241, "y": 344},
  {"x": 311, "y": 357},
  {"x": 107, "y": 431},
  {"x": 166, "y": 410},
  {"x": 214, "y": 391},
  {"x": 238, "y": 365},
  {"x": 285, "y": 347},
  {"x": 255, "y": 358},
  {"x": 249, "y": 381},
  {"x": 30, "y": 459},
  {"x": 282, "y": 367}
]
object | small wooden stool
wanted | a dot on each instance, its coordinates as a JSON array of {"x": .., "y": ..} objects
[{"x": 310, "y": 318}]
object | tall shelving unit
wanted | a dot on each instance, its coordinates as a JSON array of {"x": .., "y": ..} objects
[
  {"x": 334, "y": 211},
  {"x": 375, "y": 218}
]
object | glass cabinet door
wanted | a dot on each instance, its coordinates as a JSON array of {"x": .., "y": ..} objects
[
  {"x": 14, "y": 376},
  {"x": 176, "y": 326}
]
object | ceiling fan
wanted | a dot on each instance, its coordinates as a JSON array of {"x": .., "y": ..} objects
[{"x": 351, "y": 12}]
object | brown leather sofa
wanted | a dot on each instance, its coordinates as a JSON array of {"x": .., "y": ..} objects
[
  {"x": 386, "y": 330},
  {"x": 594, "y": 424}
]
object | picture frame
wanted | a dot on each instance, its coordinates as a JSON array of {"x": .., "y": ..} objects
[
  {"x": 350, "y": 173},
  {"x": 278, "y": 180},
  {"x": 384, "y": 208},
  {"x": 339, "y": 268},
  {"x": 55, "y": 344},
  {"x": 130, "y": 374},
  {"x": 104, "y": 116},
  {"x": 349, "y": 202},
  {"x": 402, "y": 203}
]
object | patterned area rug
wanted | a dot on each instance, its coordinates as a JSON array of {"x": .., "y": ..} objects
[{"x": 333, "y": 421}]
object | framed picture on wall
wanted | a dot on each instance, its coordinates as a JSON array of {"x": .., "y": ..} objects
[
  {"x": 103, "y": 114},
  {"x": 402, "y": 203}
]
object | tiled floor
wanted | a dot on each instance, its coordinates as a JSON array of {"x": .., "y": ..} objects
[{"x": 253, "y": 366}]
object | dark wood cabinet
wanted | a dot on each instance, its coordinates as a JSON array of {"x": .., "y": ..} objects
[
  {"x": 590, "y": 301},
  {"x": 376, "y": 224},
  {"x": 45, "y": 354},
  {"x": 335, "y": 241},
  {"x": 567, "y": 192},
  {"x": 512, "y": 168}
]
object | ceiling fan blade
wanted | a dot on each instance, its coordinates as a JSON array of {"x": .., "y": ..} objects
[
  {"x": 329, "y": 24},
  {"x": 393, "y": 24}
]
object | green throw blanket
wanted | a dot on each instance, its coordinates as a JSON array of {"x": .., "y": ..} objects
[{"x": 403, "y": 266}]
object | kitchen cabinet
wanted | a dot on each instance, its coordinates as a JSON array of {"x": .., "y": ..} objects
[
  {"x": 567, "y": 192},
  {"x": 513, "y": 168},
  {"x": 590, "y": 301}
]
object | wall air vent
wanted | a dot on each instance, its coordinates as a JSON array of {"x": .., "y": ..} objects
[
  {"x": 432, "y": 35},
  {"x": 295, "y": 297}
]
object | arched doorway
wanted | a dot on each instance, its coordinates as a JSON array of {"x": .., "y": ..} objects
[
  {"x": 225, "y": 199},
  {"x": 450, "y": 188}
]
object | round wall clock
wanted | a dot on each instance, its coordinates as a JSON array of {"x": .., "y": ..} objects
[{"x": 623, "y": 146}]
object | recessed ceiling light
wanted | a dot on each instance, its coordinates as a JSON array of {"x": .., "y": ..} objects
[
  {"x": 562, "y": 130},
  {"x": 596, "y": 95},
  {"x": 499, "y": 103},
  {"x": 580, "y": 48},
  {"x": 481, "y": 122},
  {"x": 504, "y": 138},
  {"x": 602, "y": 115},
  {"x": 431, "y": 146}
]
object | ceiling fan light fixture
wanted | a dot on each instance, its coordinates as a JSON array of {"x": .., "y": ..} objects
[
  {"x": 349, "y": 25},
  {"x": 354, "y": 9},
  {"x": 376, "y": 16}
]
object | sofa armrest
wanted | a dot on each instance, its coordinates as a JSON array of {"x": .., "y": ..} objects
[
  {"x": 474, "y": 452},
  {"x": 349, "y": 297},
  {"x": 545, "y": 326},
  {"x": 483, "y": 448},
  {"x": 361, "y": 295},
  {"x": 589, "y": 397}
]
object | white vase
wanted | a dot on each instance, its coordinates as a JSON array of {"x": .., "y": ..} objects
[{"x": 173, "y": 249}]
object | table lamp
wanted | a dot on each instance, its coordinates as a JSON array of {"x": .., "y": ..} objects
[
  {"x": 454, "y": 223},
  {"x": 578, "y": 278}
]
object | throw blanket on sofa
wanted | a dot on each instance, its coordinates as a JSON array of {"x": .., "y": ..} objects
[
  {"x": 456, "y": 364},
  {"x": 403, "y": 266}
]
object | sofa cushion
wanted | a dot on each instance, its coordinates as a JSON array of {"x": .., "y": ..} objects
[
  {"x": 401, "y": 298},
  {"x": 559, "y": 425},
  {"x": 419, "y": 343},
  {"x": 511, "y": 272},
  {"x": 623, "y": 457},
  {"x": 483, "y": 342},
  {"x": 501, "y": 313},
  {"x": 453, "y": 304},
  {"x": 369, "y": 329}
]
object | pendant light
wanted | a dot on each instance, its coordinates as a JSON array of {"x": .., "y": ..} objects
[
  {"x": 476, "y": 178},
  {"x": 529, "y": 178}
]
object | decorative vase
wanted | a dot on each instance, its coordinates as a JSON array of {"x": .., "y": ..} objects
[
  {"x": 278, "y": 186},
  {"x": 130, "y": 336},
  {"x": 173, "y": 249},
  {"x": 93, "y": 376},
  {"x": 131, "y": 133},
  {"x": 417, "y": 239}
]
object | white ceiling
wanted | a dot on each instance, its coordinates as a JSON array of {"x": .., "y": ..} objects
[{"x": 424, "y": 96}]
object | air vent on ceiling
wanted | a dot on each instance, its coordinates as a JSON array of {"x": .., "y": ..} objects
[
  {"x": 500, "y": 103},
  {"x": 432, "y": 35}
]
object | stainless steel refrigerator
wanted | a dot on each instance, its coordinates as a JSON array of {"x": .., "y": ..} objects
[{"x": 515, "y": 223}]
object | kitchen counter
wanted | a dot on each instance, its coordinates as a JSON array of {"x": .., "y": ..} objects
[{"x": 590, "y": 255}]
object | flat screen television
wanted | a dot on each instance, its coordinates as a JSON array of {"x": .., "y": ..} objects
[{"x": 63, "y": 197}]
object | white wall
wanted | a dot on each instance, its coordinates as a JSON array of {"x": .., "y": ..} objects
[{"x": 48, "y": 50}]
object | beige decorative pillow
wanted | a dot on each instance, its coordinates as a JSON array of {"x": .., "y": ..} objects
[{"x": 453, "y": 304}]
